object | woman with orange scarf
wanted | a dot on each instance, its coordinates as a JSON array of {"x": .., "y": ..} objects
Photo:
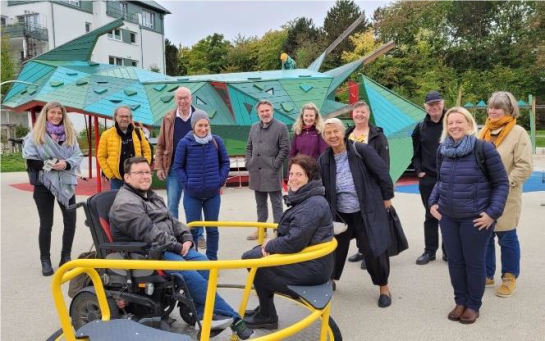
[{"x": 514, "y": 146}]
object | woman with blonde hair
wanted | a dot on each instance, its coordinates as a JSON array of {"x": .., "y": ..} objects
[
  {"x": 467, "y": 199},
  {"x": 307, "y": 129},
  {"x": 514, "y": 146},
  {"x": 53, "y": 156}
]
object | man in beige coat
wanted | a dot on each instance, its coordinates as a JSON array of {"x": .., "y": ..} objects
[{"x": 514, "y": 146}]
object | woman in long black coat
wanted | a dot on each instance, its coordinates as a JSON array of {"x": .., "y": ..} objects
[{"x": 358, "y": 188}]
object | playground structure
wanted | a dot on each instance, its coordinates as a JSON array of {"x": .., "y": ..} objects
[
  {"x": 317, "y": 299},
  {"x": 66, "y": 74}
]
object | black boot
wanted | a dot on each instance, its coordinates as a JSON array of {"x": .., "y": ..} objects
[
  {"x": 266, "y": 317},
  {"x": 65, "y": 257},
  {"x": 47, "y": 268}
]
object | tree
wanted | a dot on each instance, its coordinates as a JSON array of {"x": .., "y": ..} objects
[
  {"x": 154, "y": 68},
  {"x": 337, "y": 20},
  {"x": 171, "y": 57},
  {"x": 9, "y": 65},
  {"x": 270, "y": 48},
  {"x": 243, "y": 54},
  {"x": 209, "y": 55},
  {"x": 300, "y": 30},
  {"x": 183, "y": 60}
]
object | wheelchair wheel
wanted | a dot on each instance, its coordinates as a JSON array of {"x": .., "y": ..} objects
[
  {"x": 85, "y": 308},
  {"x": 187, "y": 315},
  {"x": 335, "y": 331}
]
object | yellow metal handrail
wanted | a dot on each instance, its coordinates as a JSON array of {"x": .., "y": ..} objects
[{"x": 78, "y": 266}]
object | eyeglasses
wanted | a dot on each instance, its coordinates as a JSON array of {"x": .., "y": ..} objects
[{"x": 140, "y": 173}]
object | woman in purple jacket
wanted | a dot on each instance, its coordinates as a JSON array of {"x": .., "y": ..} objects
[{"x": 307, "y": 138}]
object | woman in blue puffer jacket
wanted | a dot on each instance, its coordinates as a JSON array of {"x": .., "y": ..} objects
[
  {"x": 467, "y": 200},
  {"x": 201, "y": 164}
]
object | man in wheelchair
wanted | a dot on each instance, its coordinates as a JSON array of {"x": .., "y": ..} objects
[{"x": 139, "y": 214}]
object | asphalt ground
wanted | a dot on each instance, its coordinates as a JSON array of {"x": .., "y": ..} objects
[{"x": 422, "y": 295}]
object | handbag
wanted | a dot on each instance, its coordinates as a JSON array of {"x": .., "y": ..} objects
[
  {"x": 339, "y": 227},
  {"x": 398, "y": 242}
]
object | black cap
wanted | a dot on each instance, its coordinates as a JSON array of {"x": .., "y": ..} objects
[{"x": 433, "y": 96}]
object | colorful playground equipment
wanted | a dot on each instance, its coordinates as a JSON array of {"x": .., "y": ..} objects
[{"x": 95, "y": 309}]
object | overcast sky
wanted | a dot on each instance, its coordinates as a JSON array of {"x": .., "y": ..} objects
[{"x": 192, "y": 21}]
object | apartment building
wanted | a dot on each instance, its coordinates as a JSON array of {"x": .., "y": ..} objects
[{"x": 35, "y": 27}]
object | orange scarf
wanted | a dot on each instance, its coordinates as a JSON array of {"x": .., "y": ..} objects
[{"x": 508, "y": 122}]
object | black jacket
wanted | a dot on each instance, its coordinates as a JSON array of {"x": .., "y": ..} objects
[
  {"x": 377, "y": 140},
  {"x": 373, "y": 186},
  {"x": 307, "y": 222},
  {"x": 425, "y": 137}
]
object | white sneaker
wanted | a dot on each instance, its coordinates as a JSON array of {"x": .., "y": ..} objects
[{"x": 218, "y": 322}]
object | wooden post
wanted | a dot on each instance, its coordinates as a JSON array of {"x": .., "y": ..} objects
[
  {"x": 532, "y": 102},
  {"x": 97, "y": 138},
  {"x": 353, "y": 92},
  {"x": 33, "y": 116},
  {"x": 90, "y": 144}
]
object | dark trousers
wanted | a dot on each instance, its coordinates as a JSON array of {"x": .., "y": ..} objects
[
  {"x": 263, "y": 209},
  {"x": 276, "y": 279},
  {"x": 377, "y": 267},
  {"x": 466, "y": 247},
  {"x": 45, "y": 201},
  {"x": 431, "y": 225}
]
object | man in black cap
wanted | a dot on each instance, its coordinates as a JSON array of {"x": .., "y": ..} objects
[{"x": 425, "y": 137}]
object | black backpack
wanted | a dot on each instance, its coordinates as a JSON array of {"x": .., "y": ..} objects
[{"x": 478, "y": 151}]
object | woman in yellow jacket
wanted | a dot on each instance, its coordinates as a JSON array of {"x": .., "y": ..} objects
[{"x": 119, "y": 143}]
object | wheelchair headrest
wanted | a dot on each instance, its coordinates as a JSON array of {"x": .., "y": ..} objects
[{"x": 99, "y": 205}]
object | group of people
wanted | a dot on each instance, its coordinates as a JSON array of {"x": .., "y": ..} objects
[{"x": 470, "y": 188}]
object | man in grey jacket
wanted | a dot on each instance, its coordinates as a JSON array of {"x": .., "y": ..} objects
[
  {"x": 139, "y": 214},
  {"x": 266, "y": 151}
]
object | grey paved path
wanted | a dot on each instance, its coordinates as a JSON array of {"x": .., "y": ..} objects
[{"x": 422, "y": 295}]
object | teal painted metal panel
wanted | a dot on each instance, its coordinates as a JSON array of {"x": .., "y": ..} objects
[
  {"x": 213, "y": 103},
  {"x": 113, "y": 85},
  {"x": 148, "y": 76},
  {"x": 300, "y": 97},
  {"x": 160, "y": 108},
  {"x": 61, "y": 74},
  {"x": 315, "y": 66},
  {"x": 32, "y": 73},
  {"x": 341, "y": 73},
  {"x": 71, "y": 95}
]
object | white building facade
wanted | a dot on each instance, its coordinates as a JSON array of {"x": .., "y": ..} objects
[{"x": 35, "y": 27}]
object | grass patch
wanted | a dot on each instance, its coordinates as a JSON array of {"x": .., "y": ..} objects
[{"x": 12, "y": 163}]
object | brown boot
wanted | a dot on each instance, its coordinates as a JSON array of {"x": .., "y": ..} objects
[
  {"x": 455, "y": 314},
  {"x": 469, "y": 316}
]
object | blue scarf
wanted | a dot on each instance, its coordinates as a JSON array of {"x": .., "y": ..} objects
[
  {"x": 456, "y": 149},
  {"x": 203, "y": 140}
]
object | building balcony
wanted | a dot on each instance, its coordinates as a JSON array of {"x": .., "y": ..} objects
[
  {"x": 114, "y": 9},
  {"x": 28, "y": 30}
]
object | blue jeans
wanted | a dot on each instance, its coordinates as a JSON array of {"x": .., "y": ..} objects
[
  {"x": 174, "y": 193},
  {"x": 510, "y": 254},
  {"x": 197, "y": 284},
  {"x": 194, "y": 207},
  {"x": 116, "y": 183},
  {"x": 466, "y": 250}
]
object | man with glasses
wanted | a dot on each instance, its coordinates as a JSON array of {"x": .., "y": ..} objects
[
  {"x": 119, "y": 143},
  {"x": 175, "y": 126},
  {"x": 425, "y": 138},
  {"x": 139, "y": 214}
]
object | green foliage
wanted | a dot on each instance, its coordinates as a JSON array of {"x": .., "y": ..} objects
[
  {"x": 300, "y": 31},
  {"x": 21, "y": 131},
  {"x": 9, "y": 67},
  {"x": 154, "y": 68},
  {"x": 171, "y": 57},
  {"x": 337, "y": 20},
  {"x": 209, "y": 55},
  {"x": 243, "y": 54},
  {"x": 12, "y": 162},
  {"x": 270, "y": 48}
]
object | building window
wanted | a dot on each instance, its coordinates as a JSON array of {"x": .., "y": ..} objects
[
  {"x": 134, "y": 63},
  {"x": 115, "y": 61},
  {"x": 115, "y": 34},
  {"x": 73, "y": 2},
  {"x": 133, "y": 38},
  {"x": 87, "y": 27},
  {"x": 124, "y": 7},
  {"x": 32, "y": 19},
  {"x": 148, "y": 19},
  {"x": 4, "y": 21}
]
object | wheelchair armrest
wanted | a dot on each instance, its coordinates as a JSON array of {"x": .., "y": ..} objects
[{"x": 125, "y": 246}]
